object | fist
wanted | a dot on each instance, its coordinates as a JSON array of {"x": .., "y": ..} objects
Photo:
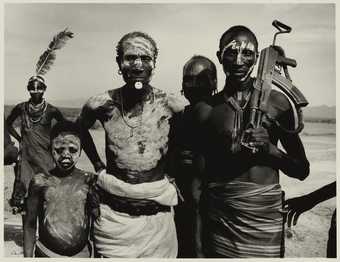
[{"x": 259, "y": 138}]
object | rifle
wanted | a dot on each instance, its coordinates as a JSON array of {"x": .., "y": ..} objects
[{"x": 272, "y": 61}]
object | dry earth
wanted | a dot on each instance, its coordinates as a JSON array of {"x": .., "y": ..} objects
[{"x": 307, "y": 239}]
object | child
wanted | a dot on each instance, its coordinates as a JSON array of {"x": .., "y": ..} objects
[{"x": 59, "y": 201}]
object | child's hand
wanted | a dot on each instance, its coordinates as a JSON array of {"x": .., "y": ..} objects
[{"x": 91, "y": 178}]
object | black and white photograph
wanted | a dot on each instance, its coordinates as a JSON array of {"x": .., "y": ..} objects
[{"x": 169, "y": 130}]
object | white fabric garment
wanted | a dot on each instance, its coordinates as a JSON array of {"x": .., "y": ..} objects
[
  {"x": 120, "y": 235},
  {"x": 161, "y": 191}
]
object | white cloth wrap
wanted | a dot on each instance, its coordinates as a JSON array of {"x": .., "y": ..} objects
[
  {"x": 120, "y": 235},
  {"x": 161, "y": 191}
]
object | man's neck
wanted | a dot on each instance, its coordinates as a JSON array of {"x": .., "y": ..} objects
[
  {"x": 131, "y": 95},
  {"x": 36, "y": 103},
  {"x": 231, "y": 86}
]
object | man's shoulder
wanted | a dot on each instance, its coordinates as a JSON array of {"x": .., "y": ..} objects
[
  {"x": 50, "y": 108},
  {"x": 20, "y": 106}
]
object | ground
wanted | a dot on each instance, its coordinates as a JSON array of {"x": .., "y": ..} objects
[{"x": 307, "y": 239}]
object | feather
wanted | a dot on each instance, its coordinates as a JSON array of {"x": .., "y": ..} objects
[{"x": 46, "y": 60}]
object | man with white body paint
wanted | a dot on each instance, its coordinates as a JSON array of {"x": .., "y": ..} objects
[
  {"x": 242, "y": 199},
  {"x": 59, "y": 201},
  {"x": 136, "y": 198}
]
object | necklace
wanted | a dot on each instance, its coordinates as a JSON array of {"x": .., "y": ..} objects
[
  {"x": 240, "y": 98},
  {"x": 140, "y": 117},
  {"x": 36, "y": 110},
  {"x": 238, "y": 120}
]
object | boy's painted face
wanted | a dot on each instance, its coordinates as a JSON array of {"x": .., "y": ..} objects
[
  {"x": 66, "y": 149},
  {"x": 138, "y": 60}
]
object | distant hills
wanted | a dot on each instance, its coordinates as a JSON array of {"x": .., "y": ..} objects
[
  {"x": 311, "y": 113},
  {"x": 315, "y": 113}
]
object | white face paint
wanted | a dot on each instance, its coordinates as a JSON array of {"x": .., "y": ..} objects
[
  {"x": 138, "y": 60},
  {"x": 239, "y": 57},
  {"x": 239, "y": 46},
  {"x": 66, "y": 150}
]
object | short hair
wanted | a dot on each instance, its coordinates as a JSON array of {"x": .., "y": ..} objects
[
  {"x": 212, "y": 68},
  {"x": 195, "y": 58},
  {"x": 119, "y": 47},
  {"x": 235, "y": 30},
  {"x": 67, "y": 127}
]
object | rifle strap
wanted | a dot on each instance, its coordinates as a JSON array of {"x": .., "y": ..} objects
[{"x": 238, "y": 122}]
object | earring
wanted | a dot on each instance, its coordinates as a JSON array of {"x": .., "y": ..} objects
[{"x": 119, "y": 72}]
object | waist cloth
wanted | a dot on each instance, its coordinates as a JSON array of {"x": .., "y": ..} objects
[
  {"x": 42, "y": 251},
  {"x": 122, "y": 235},
  {"x": 242, "y": 219}
]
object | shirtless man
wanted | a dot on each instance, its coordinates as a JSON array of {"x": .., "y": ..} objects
[
  {"x": 36, "y": 117},
  {"x": 59, "y": 201},
  {"x": 136, "y": 197},
  {"x": 242, "y": 199},
  {"x": 199, "y": 83}
]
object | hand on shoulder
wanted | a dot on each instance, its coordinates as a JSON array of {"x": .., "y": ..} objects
[
  {"x": 100, "y": 101},
  {"x": 175, "y": 103}
]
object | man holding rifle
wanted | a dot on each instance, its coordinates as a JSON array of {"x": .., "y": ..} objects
[{"x": 242, "y": 200}]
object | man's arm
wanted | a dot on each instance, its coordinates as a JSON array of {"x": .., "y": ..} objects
[
  {"x": 15, "y": 113},
  {"x": 298, "y": 205},
  {"x": 57, "y": 115},
  {"x": 293, "y": 162},
  {"x": 33, "y": 206},
  {"x": 86, "y": 120}
]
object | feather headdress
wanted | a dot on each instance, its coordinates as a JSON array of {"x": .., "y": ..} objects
[{"x": 48, "y": 57}]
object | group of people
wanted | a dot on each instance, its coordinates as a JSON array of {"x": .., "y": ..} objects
[{"x": 176, "y": 182}]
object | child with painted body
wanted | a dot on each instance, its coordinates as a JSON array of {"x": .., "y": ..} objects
[{"x": 58, "y": 200}]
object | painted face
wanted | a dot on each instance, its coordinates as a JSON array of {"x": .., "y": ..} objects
[
  {"x": 198, "y": 81},
  {"x": 238, "y": 57},
  {"x": 36, "y": 91},
  {"x": 138, "y": 60},
  {"x": 66, "y": 150}
]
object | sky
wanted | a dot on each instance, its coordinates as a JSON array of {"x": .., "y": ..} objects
[{"x": 86, "y": 65}]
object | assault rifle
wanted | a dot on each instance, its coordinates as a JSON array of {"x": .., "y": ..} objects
[{"x": 272, "y": 62}]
